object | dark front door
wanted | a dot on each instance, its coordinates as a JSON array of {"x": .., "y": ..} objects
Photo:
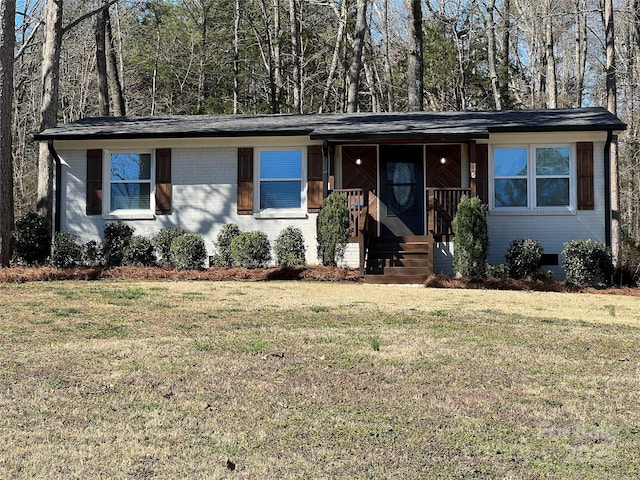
[{"x": 401, "y": 190}]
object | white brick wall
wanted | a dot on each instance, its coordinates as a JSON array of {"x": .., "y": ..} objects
[{"x": 204, "y": 184}]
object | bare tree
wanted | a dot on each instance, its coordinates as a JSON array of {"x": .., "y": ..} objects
[
  {"x": 612, "y": 106},
  {"x": 415, "y": 67},
  {"x": 7, "y": 47},
  {"x": 356, "y": 59},
  {"x": 551, "y": 80},
  {"x": 490, "y": 33},
  {"x": 295, "y": 53},
  {"x": 342, "y": 22},
  {"x": 51, "y": 48}
]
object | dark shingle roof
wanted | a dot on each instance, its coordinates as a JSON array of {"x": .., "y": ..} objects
[{"x": 343, "y": 126}]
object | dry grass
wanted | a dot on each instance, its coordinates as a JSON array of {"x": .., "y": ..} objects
[{"x": 160, "y": 379}]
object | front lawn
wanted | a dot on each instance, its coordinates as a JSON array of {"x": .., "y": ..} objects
[{"x": 160, "y": 379}]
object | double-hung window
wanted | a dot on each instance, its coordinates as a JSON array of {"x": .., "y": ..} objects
[
  {"x": 532, "y": 177},
  {"x": 130, "y": 181},
  {"x": 280, "y": 180}
]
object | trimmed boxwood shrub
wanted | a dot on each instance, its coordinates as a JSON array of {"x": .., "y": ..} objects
[
  {"x": 139, "y": 252},
  {"x": 333, "y": 228},
  {"x": 162, "y": 242},
  {"x": 500, "y": 271},
  {"x": 523, "y": 257},
  {"x": 65, "y": 252},
  {"x": 116, "y": 239},
  {"x": 223, "y": 257},
  {"x": 92, "y": 254},
  {"x": 471, "y": 241},
  {"x": 586, "y": 261},
  {"x": 251, "y": 250},
  {"x": 289, "y": 248},
  {"x": 188, "y": 252},
  {"x": 32, "y": 239}
]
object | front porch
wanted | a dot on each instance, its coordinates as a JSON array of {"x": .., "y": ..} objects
[{"x": 400, "y": 259}]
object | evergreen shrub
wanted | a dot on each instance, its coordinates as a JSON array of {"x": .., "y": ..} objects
[
  {"x": 471, "y": 241},
  {"x": 32, "y": 239},
  {"x": 188, "y": 252},
  {"x": 333, "y": 228},
  {"x": 586, "y": 261},
  {"x": 251, "y": 250},
  {"x": 524, "y": 256},
  {"x": 116, "y": 239},
  {"x": 139, "y": 253},
  {"x": 92, "y": 254},
  {"x": 222, "y": 257},
  {"x": 65, "y": 252},
  {"x": 289, "y": 248},
  {"x": 163, "y": 240}
]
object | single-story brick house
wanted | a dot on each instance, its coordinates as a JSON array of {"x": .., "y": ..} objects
[{"x": 543, "y": 173}]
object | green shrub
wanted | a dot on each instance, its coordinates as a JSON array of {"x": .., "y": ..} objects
[
  {"x": 289, "y": 248},
  {"x": 586, "y": 261},
  {"x": 188, "y": 252},
  {"x": 222, "y": 257},
  {"x": 333, "y": 228},
  {"x": 116, "y": 239},
  {"x": 139, "y": 252},
  {"x": 471, "y": 241},
  {"x": 500, "y": 271},
  {"x": 251, "y": 250},
  {"x": 162, "y": 242},
  {"x": 524, "y": 256},
  {"x": 92, "y": 254},
  {"x": 65, "y": 252},
  {"x": 32, "y": 239}
]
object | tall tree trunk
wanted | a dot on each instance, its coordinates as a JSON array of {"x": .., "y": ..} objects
[
  {"x": 236, "y": 56},
  {"x": 610, "y": 66},
  {"x": 101, "y": 64},
  {"x": 356, "y": 59},
  {"x": 116, "y": 91},
  {"x": 295, "y": 52},
  {"x": 415, "y": 67},
  {"x": 387, "y": 73},
  {"x": 581, "y": 49},
  {"x": 504, "y": 75},
  {"x": 277, "y": 58},
  {"x": 7, "y": 48},
  {"x": 552, "y": 81},
  {"x": 51, "y": 47},
  {"x": 490, "y": 32},
  {"x": 342, "y": 21}
]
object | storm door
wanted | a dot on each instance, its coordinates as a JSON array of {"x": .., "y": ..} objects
[{"x": 402, "y": 204}]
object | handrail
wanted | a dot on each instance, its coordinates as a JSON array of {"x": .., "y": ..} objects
[
  {"x": 443, "y": 205},
  {"x": 356, "y": 204}
]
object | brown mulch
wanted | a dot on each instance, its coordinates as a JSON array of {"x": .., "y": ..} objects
[
  {"x": 309, "y": 273},
  {"x": 312, "y": 273}
]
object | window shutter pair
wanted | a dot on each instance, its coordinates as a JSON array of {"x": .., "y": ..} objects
[
  {"x": 245, "y": 179},
  {"x": 163, "y": 182}
]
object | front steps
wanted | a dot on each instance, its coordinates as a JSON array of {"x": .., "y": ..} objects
[{"x": 399, "y": 260}]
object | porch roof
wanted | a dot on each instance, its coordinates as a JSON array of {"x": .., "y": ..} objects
[{"x": 340, "y": 126}]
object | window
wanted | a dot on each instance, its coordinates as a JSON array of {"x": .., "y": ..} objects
[
  {"x": 129, "y": 181},
  {"x": 280, "y": 179},
  {"x": 532, "y": 177}
]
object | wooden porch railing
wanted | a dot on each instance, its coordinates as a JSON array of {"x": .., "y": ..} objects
[
  {"x": 442, "y": 207},
  {"x": 357, "y": 209}
]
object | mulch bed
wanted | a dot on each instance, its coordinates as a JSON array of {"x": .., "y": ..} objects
[{"x": 309, "y": 273}]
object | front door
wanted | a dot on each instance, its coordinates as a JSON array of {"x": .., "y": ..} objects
[{"x": 401, "y": 190}]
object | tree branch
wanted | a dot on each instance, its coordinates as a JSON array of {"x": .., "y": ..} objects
[{"x": 87, "y": 15}]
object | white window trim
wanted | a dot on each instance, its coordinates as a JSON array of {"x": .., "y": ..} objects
[
  {"x": 268, "y": 213},
  {"x": 532, "y": 208},
  {"x": 133, "y": 214}
]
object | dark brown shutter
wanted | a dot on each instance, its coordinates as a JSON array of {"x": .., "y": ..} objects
[
  {"x": 314, "y": 178},
  {"x": 482, "y": 172},
  {"x": 245, "y": 181},
  {"x": 163, "y": 181},
  {"x": 94, "y": 182},
  {"x": 585, "y": 176}
]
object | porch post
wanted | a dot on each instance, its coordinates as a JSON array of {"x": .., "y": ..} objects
[
  {"x": 471, "y": 147},
  {"x": 325, "y": 168}
]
